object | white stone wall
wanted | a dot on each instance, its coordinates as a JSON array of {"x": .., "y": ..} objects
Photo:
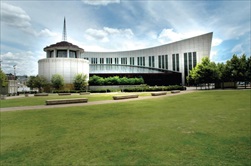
[
  {"x": 66, "y": 67},
  {"x": 199, "y": 44}
]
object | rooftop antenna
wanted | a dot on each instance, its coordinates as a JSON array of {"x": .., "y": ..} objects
[{"x": 64, "y": 37}]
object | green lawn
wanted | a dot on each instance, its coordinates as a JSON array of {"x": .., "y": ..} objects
[
  {"x": 31, "y": 101},
  {"x": 200, "y": 128}
]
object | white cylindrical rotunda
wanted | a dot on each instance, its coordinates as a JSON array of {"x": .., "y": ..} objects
[{"x": 63, "y": 58}]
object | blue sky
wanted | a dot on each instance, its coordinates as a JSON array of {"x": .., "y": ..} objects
[{"x": 116, "y": 25}]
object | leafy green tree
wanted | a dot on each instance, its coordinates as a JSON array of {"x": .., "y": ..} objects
[
  {"x": 57, "y": 81},
  {"x": 37, "y": 82},
  {"x": 80, "y": 82},
  {"x": 204, "y": 73},
  {"x": 3, "y": 79},
  {"x": 249, "y": 69}
]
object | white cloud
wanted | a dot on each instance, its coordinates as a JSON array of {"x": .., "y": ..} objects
[
  {"x": 216, "y": 42},
  {"x": 100, "y": 2},
  {"x": 106, "y": 34},
  {"x": 47, "y": 33},
  {"x": 14, "y": 16},
  {"x": 26, "y": 62},
  {"x": 169, "y": 35}
]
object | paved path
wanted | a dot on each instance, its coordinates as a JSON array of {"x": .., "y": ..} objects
[{"x": 86, "y": 104}]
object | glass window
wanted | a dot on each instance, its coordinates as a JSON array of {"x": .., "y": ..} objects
[
  {"x": 153, "y": 61},
  {"x": 177, "y": 62},
  {"x": 194, "y": 59},
  {"x": 166, "y": 60},
  {"x": 51, "y": 54},
  {"x": 173, "y": 59},
  {"x": 190, "y": 60},
  {"x": 73, "y": 54},
  {"x": 62, "y": 53},
  {"x": 159, "y": 58},
  {"x": 131, "y": 60},
  {"x": 144, "y": 61},
  {"x": 163, "y": 62},
  {"x": 150, "y": 61},
  {"x": 101, "y": 61}
]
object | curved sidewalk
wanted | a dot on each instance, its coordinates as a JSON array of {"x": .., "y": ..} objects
[{"x": 39, "y": 107}]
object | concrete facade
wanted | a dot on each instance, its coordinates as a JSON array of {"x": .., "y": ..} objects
[
  {"x": 63, "y": 58},
  {"x": 180, "y": 56}
]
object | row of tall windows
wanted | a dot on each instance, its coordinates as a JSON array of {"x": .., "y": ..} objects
[
  {"x": 131, "y": 60},
  {"x": 141, "y": 61},
  {"x": 190, "y": 61},
  {"x": 123, "y": 61},
  {"x": 63, "y": 54},
  {"x": 163, "y": 61},
  {"x": 108, "y": 60},
  {"x": 94, "y": 60},
  {"x": 116, "y": 60},
  {"x": 151, "y": 61},
  {"x": 176, "y": 62},
  {"x": 102, "y": 61}
]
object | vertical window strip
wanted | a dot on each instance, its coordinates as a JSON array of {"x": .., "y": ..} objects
[
  {"x": 163, "y": 62},
  {"x": 173, "y": 59},
  {"x": 190, "y": 61},
  {"x": 177, "y": 62},
  {"x": 153, "y": 62},
  {"x": 159, "y": 61},
  {"x": 194, "y": 59},
  {"x": 166, "y": 60},
  {"x": 150, "y": 61}
]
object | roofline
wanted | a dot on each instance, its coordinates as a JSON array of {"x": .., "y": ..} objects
[{"x": 150, "y": 47}]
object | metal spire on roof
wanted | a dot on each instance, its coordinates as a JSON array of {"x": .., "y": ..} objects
[{"x": 64, "y": 36}]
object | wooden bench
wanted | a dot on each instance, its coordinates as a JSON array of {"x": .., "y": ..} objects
[
  {"x": 175, "y": 91},
  {"x": 41, "y": 94},
  {"x": 158, "y": 93},
  {"x": 125, "y": 97},
  {"x": 84, "y": 93},
  {"x": 64, "y": 94},
  {"x": 66, "y": 101}
]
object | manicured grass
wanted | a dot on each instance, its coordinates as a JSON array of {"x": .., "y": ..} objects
[
  {"x": 200, "y": 128},
  {"x": 31, "y": 101}
]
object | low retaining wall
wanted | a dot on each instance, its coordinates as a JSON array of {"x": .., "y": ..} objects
[
  {"x": 66, "y": 101},
  {"x": 158, "y": 93},
  {"x": 125, "y": 97},
  {"x": 64, "y": 94},
  {"x": 41, "y": 94},
  {"x": 175, "y": 91}
]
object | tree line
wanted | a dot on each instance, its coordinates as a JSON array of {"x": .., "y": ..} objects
[
  {"x": 237, "y": 69},
  {"x": 56, "y": 82},
  {"x": 80, "y": 81}
]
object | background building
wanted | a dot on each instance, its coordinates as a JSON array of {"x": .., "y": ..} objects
[
  {"x": 63, "y": 58},
  {"x": 167, "y": 64}
]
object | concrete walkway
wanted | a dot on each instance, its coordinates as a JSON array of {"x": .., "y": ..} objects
[{"x": 39, "y": 107}]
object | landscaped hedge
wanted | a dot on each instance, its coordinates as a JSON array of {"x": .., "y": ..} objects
[
  {"x": 115, "y": 80},
  {"x": 67, "y": 91},
  {"x": 150, "y": 89}
]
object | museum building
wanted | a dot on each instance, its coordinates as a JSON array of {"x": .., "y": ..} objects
[{"x": 167, "y": 64}]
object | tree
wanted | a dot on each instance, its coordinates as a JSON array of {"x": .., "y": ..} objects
[
  {"x": 37, "y": 82},
  {"x": 57, "y": 81},
  {"x": 80, "y": 82},
  {"x": 204, "y": 73},
  {"x": 3, "y": 79}
]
